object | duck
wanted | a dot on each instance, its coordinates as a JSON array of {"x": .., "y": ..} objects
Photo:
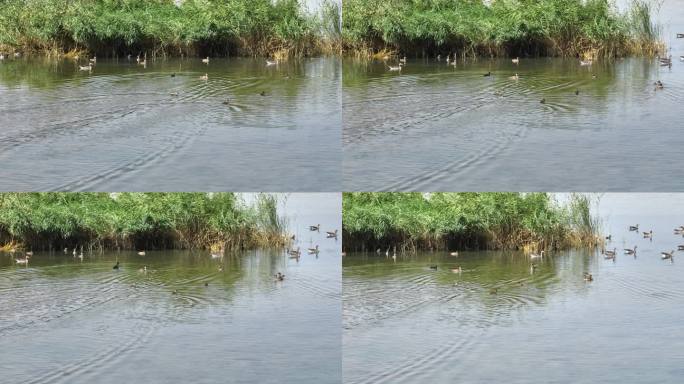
[
  {"x": 610, "y": 253},
  {"x": 24, "y": 260},
  {"x": 279, "y": 276},
  {"x": 330, "y": 234},
  {"x": 493, "y": 291},
  {"x": 680, "y": 35},
  {"x": 634, "y": 228},
  {"x": 667, "y": 255},
  {"x": 316, "y": 227},
  {"x": 403, "y": 60},
  {"x": 294, "y": 252},
  {"x": 648, "y": 235},
  {"x": 542, "y": 101},
  {"x": 94, "y": 60},
  {"x": 116, "y": 266},
  {"x": 143, "y": 62},
  {"x": 537, "y": 256},
  {"x": 681, "y": 58},
  {"x": 206, "y": 284},
  {"x": 204, "y": 77},
  {"x": 173, "y": 94},
  {"x": 271, "y": 62},
  {"x": 433, "y": 267},
  {"x": 680, "y": 247},
  {"x": 143, "y": 269},
  {"x": 220, "y": 268},
  {"x": 88, "y": 67},
  {"x": 516, "y": 60},
  {"x": 141, "y": 253},
  {"x": 588, "y": 276},
  {"x": 262, "y": 93},
  {"x": 457, "y": 269},
  {"x": 586, "y": 63},
  {"x": 454, "y": 254},
  {"x": 313, "y": 250},
  {"x": 216, "y": 255},
  {"x": 226, "y": 102},
  {"x": 576, "y": 92},
  {"x": 488, "y": 74},
  {"x": 206, "y": 61},
  {"x": 631, "y": 251},
  {"x": 609, "y": 237},
  {"x": 17, "y": 54},
  {"x": 2, "y": 56},
  {"x": 515, "y": 77},
  {"x": 395, "y": 67},
  {"x": 659, "y": 84},
  {"x": 173, "y": 75}
]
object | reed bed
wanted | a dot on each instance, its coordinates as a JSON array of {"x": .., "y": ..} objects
[
  {"x": 116, "y": 28},
  {"x": 467, "y": 28},
  {"x": 52, "y": 221},
  {"x": 457, "y": 221}
]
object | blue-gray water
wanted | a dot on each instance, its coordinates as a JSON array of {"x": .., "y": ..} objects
[
  {"x": 406, "y": 323},
  {"x": 162, "y": 128},
  {"x": 67, "y": 321}
]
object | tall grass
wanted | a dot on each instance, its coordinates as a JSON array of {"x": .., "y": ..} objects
[
  {"x": 138, "y": 220},
  {"x": 160, "y": 27},
  {"x": 466, "y": 221},
  {"x": 499, "y": 27}
]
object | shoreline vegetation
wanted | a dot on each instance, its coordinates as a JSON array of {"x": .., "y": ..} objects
[
  {"x": 588, "y": 29},
  {"x": 138, "y": 221},
  {"x": 466, "y": 221},
  {"x": 117, "y": 28}
]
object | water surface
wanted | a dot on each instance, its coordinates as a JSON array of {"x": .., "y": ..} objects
[
  {"x": 160, "y": 127},
  {"x": 498, "y": 321},
  {"x": 67, "y": 321}
]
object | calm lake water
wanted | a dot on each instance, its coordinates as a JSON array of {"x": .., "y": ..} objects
[
  {"x": 66, "y": 321},
  {"x": 436, "y": 127},
  {"x": 126, "y": 127},
  {"x": 407, "y": 323}
]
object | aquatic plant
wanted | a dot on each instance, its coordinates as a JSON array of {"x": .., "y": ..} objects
[
  {"x": 413, "y": 221},
  {"x": 160, "y": 27},
  {"x": 499, "y": 27},
  {"x": 139, "y": 220}
]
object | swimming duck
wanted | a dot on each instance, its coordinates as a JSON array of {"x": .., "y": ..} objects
[
  {"x": 173, "y": 75},
  {"x": 313, "y": 250},
  {"x": 680, "y": 35},
  {"x": 667, "y": 255},
  {"x": 493, "y": 291},
  {"x": 610, "y": 253},
  {"x": 586, "y": 63},
  {"x": 433, "y": 267},
  {"x": 141, "y": 253},
  {"x": 173, "y": 94},
  {"x": 25, "y": 260},
  {"x": 206, "y": 61},
  {"x": 576, "y": 92},
  {"x": 659, "y": 84},
  {"x": 457, "y": 269},
  {"x": 88, "y": 67},
  {"x": 648, "y": 235},
  {"x": 116, "y": 266},
  {"x": 488, "y": 74},
  {"x": 271, "y": 62},
  {"x": 542, "y": 101},
  {"x": 631, "y": 251},
  {"x": 329, "y": 234},
  {"x": 206, "y": 284},
  {"x": 279, "y": 276},
  {"x": 204, "y": 77},
  {"x": 515, "y": 77},
  {"x": 680, "y": 247},
  {"x": 403, "y": 60},
  {"x": 226, "y": 102},
  {"x": 609, "y": 237},
  {"x": 634, "y": 228},
  {"x": 537, "y": 256},
  {"x": 220, "y": 268},
  {"x": 143, "y": 269},
  {"x": 516, "y": 60},
  {"x": 94, "y": 60},
  {"x": 588, "y": 277},
  {"x": 262, "y": 93},
  {"x": 216, "y": 255},
  {"x": 17, "y": 54},
  {"x": 316, "y": 227},
  {"x": 395, "y": 67},
  {"x": 681, "y": 58},
  {"x": 454, "y": 254},
  {"x": 294, "y": 252},
  {"x": 2, "y": 56}
]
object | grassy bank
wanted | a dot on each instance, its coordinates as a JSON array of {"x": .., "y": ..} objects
[
  {"x": 457, "y": 221},
  {"x": 580, "y": 28},
  {"x": 52, "y": 221},
  {"x": 278, "y": 28}
]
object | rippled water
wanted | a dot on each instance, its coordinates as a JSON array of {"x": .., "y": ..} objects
[
  {"x": 499, "y": 322},
  {"x": 67, "y": 321},
  {"x": 127, "y": 127},
  {"x": 438, "y": 127}
]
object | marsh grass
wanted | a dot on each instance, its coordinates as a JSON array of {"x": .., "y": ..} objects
[
  {"x": 570, "y": 28},
  {"x": 161, "y": 27},
  {"x": 52, "y": 221},
  {"x": 449, "y": 221}
]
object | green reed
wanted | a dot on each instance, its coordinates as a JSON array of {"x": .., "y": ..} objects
[
  {"x": 413, "y": 221},
  {"x": 138, "y": 220}
]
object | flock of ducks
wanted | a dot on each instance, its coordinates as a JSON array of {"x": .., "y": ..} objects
[{"x": 296, "y": 253}]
